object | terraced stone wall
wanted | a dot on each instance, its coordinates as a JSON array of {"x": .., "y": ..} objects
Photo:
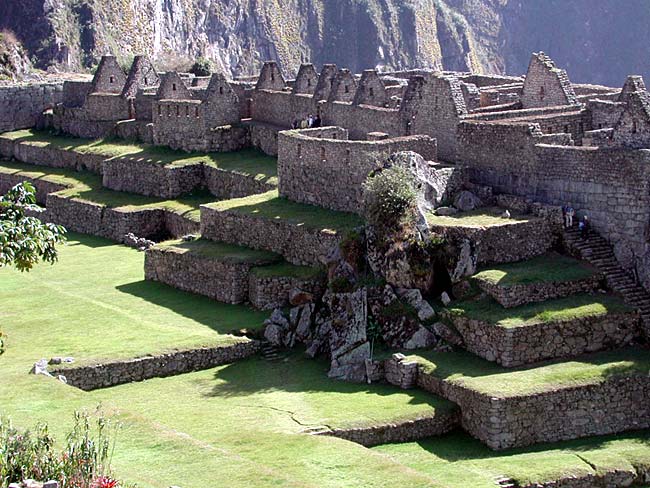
[
  {"x": 519, "y": 294},
  {"x": 610, "y": 185},
  {"x": 22, "y": 105},
  {"x": 618, "y": 404},
  {"x": 149, "y": 178},
  {"x": 321, "y": 167},
  {"x": 299, "y": 244},
  {"x": 114, "y": 373},
  {"x": 224, "y": 281},
  {"x": 506, "y": 243},
  {"x": 528, "y": 344},
  {"x": 269, "y": 292}
]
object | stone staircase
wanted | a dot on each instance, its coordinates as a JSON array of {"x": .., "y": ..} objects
[{"x": 597, "y": 251}]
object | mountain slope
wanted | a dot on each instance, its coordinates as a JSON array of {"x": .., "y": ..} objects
[{"x": 485, "y": 35}]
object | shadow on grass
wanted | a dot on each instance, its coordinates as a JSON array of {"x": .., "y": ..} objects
[
  {"x": 457, "y": 366},
  {"x": 220, "y": 317},
  {"x": 76, "y": 239},
  {"x": 458, "y": 446},
  {"x": 298, "y": 374}
]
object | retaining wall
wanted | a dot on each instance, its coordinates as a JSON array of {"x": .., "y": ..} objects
[
  {"x": 617, "y": 404},
  {"x": 510, "y": 242},
  {"x": 527, "y": 344},
  {"x": 519, "y": 294},
  {"x": 399, "y": 431},
  {"x": 270, "y": 292},
  {"x": 139, "y": 369},
  {"x": 222, "y": 280},
  {"x": 297, "y": 243}
]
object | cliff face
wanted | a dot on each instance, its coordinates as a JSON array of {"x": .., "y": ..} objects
[{"x": 484, "y": 35}]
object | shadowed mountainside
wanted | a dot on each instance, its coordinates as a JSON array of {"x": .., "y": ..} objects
[{"x": 599, "y": 41}]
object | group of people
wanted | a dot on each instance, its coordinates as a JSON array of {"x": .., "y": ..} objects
[
  {"x": 583, "y": 225},
  {"x": 310, "y": 122}
]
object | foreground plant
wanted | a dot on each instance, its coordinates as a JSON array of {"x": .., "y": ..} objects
[
  {"x": 84, "y": 462},
  {"x": 24, "y": 241}
]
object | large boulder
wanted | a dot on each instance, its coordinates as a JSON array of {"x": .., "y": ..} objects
[
  {"x": 466, "y": 201},
  {"x": 341, "y": 334}
]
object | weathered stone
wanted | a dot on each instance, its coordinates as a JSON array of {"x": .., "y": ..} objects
[{"x": 466, "y": 201}]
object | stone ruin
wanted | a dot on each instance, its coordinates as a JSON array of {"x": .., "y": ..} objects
[{"x": 523, "y": 145}]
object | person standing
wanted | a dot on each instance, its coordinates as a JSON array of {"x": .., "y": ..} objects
[{"x": 569, "y": 213}]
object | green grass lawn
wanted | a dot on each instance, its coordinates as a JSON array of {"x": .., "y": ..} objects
[
  {"x": 238, "y": 425},
  {"x": 287, "y": 269},
  {"x": 457, "y": 460},
  {"x": 88, "y": 187},
  {"x": 481, "y": 217},
  {"x": 550, "y": 268},
  {"x": 488, "y": 378},
  {"x": 221, "y": 251},
  {"x": 249, "y": 162},
  {"x": 271, "y": 206},
  {"x": 561, "y": 309}
]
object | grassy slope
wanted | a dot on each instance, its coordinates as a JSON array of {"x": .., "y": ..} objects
[
  {"x": 222, "y": 251},
  {"x": 248, "y": 162},
  {"x": 491, "y": 379},
  {"x": 457, "y": 460},
  {"x": 94, "y": 304},
  {"x": 568, "y": 308},
  {"x": 549, "y": 268},
  {"x": 482, "y": 217},
  {"x": 271, "y": 206},
  {"x": 88, "y": 187},
  {"x": 234, "y": 425}
]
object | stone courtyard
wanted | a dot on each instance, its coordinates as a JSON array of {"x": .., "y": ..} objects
[{"x": 484, "y": 316}]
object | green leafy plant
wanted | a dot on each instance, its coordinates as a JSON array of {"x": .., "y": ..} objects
[
  {"x": 24, "y": 241},
  {"x": 389, "y": 196},
  {"x": 84, "y": 461},
  {"x": 202, "y": 67}
]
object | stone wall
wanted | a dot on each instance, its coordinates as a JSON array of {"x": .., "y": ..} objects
[
  {"x": 527, "y": 344},
  {"x": 617, "y": 201},
  {"x": 55, "y": 157},
  {"x": 114, "y": 373},
  {"x": 615, "y": 405},
  {"x": 22, "y": 105},
  {"x": 510, "y": 242},
  {"x": 132, "y": 175},
  {"x": 327, "y": 170},
  {"x": 220, "y": 279},
  {"x": 269, "y": 292},
  {"x": 298, "y": 244},
  {"x": 231, "y": 184},
  {"x": 519, "y": 294},
  {"x": 398, "y": 431}
]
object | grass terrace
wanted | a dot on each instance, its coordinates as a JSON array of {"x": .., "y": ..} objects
[
  {"x": 289, "y": 270},
  {"x": 270, "y": 205},
  {"x": 482, "y": 217},
  {"x": 248, "y": 162},
  {"x": 550, "y": 268},
  {"x": 240, "y": 425},
  {"x": 221, "y": 251},
  {"x": 462, "y": 368},
  {"x": 562, "y": 309},
  {"x": 456, "y": 460},
  {"x": 88, "y": 187}
]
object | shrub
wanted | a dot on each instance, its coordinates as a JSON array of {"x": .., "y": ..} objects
[
  {"x": 201, "y": 67},
  {"x": 83, "y": 463},
  {"x": 389, "y": 196}
]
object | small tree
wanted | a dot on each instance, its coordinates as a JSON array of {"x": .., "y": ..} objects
[
  {"x": 201, "y": 67},
  {"x": 389, "y": 197},
  {"x": 24, "y": 241}
]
